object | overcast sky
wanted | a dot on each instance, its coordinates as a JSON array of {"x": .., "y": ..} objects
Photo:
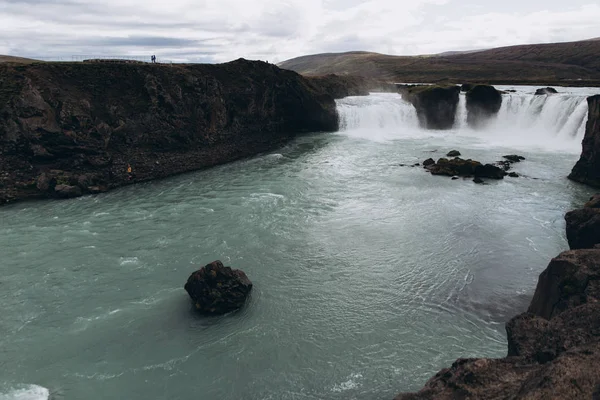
[{"x": 223, "y": 30}]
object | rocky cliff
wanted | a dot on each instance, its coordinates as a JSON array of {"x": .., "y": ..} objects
[
  {"x": 73, "y": 128},
  {"x": 436, "y": 105},
  {"x": 587, "y": 169},
  {"x": 553, "y": 348}
]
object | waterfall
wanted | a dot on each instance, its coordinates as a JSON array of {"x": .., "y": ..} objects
[{"x": 554, "y": 121}]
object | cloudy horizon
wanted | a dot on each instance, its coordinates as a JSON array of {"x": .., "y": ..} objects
[{"x": 223, "y": 30}]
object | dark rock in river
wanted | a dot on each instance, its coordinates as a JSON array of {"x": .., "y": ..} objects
[
  {"x": 583, "y": 228},
  {"x": 587, "y": 169},
  {"x": 478, "y": 180},
  {"x": 428, "y": 162},
  {"x": 466, "y": 87},
  {"x": 453, "y": 153},
  {"x": 513, "y": 175},
  {"x": 123, "y": 123},
  {"x": 436, "y": 105},
  {"x": 216, "y": 289},
  {"x": 594, "y": 202},
  {"x": 513, "y": 158},
  {"x": 546, "y": 90},
  {"x": 459, "y": 167},
  {"x": 483, "y": 103}
]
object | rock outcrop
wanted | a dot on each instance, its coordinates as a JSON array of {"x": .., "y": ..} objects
[
  {"x": 216, "y": 289},
  {"x": 553, "y": 349},
  {"x": 483, "y": 103},
  {"x": 465, "y": 168},
  {"x": 587, "y": 169},
  {"x": 436, "y": 105},
  {"x": 100, "y": 126},
  {"x": 546, "y": 90},
  {"x": 583, "y": 228}
]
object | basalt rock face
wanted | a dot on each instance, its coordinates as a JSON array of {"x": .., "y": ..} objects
[
  {"x": 216, "y": 289},
  {"x": 466, "y": 168},
  {"x": 100, "y": 126},
  {"x": 340, "y": 86},
  {"x": 545, "y": 91},
  {"x": 587, "y": 169},
  {"x": 436, "y": 105},
  {"x": 553, "y": 349},
  {"x": 483, "y": 103}
]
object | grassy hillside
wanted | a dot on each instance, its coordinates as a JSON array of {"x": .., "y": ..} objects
[
  {"x": 18, "y": 60},
  {"x": 575, "y": 63}
]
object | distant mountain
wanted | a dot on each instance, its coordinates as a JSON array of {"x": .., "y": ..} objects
[
  {"x": 12, "y": 59},
  {"x": 568, "y": 63}
]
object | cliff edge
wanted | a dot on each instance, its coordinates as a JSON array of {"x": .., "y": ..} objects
[
  {"x": 68, "y": 129},
  {"x": 587, "y": 169}
]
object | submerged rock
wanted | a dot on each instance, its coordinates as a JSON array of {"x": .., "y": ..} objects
[
  {"x": 216, "y": 289},
  {"x": 513, "y": 158},
  {"x": 546, "y": 90},
  {"x": 436, "y": 105},
  {"x": 483, "y": 103},
  {"x": 587, "y": 169}
]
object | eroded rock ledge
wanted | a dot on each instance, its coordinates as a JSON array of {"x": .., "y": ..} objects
[
  {"x": 553, "y": 348},
  {"x": 68, "y": 129}
]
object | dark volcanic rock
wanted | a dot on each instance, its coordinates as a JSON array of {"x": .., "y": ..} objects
[
  {"x": 513, "y": 175},
  {"x": 67, "y": 191},
  {"x": 513, "y": 158},
  {"x": 483, "y": 103},
  {"x": 583, "y": 228},
  {"x": 428, "y": 162},
  {"x": 459, "y": 167},
  {"x": 587, "y": 169},
  {"x": 546, "y": 90},
  {"x": 92, "y": 119},
  {"x": 436, "y": 105},
  {"x": 594, "y": 202},
  {"x": 453, "y": 153},
  {"x": 478, "y": 180},
  {"x": 571, "y": 279},
  {"x": 216, "y": 289},
  {"x": 466, "y": 87}
]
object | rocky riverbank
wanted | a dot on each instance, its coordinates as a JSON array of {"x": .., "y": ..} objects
[
  {"x": 553, "y": 348},
  {"x": 68, "y": 129},
  {"x": 587, "y": 169}
]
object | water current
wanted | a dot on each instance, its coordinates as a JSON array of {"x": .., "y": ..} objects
[{"x": 369, "y": 276}]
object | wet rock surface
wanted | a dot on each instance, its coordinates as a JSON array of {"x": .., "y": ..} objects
[
  {"x": 587, "y": 169},
  {"x": 436, "y": 105},
  {"x": 546, "y": 90},
  {"x": 483, "y": 103},
  {"x": 216, "y": 289},
  {"x": 465, "y": 168}
]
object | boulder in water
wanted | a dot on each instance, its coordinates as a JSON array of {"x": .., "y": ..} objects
[
  {"x": 587, "y": 169},
  {"x": 453, "y": 153},
  {"x": 428, "y": 162},
  {"x": 436, "y": 105},
  {"x": 546, "y": 90},
  {"x": 466, "y": 87},
  {"x": 513, "y": 158},
  {"x": 513, "y": 175},
  {"x": 483, "y": 102},
  {"x": 459, "y": 167},
  {"x": 216, "y": 289}
]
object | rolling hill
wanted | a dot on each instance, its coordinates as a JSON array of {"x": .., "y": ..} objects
[{"x": 573, "y": 63}]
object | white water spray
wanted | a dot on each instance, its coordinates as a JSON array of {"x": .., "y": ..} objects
[{"x": 550, "y": 122}]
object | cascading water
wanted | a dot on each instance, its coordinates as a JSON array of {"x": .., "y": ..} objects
[{"x": 551, "y": 122}]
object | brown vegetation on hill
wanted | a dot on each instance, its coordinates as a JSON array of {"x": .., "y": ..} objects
[{"x": 575, "y": 63}]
